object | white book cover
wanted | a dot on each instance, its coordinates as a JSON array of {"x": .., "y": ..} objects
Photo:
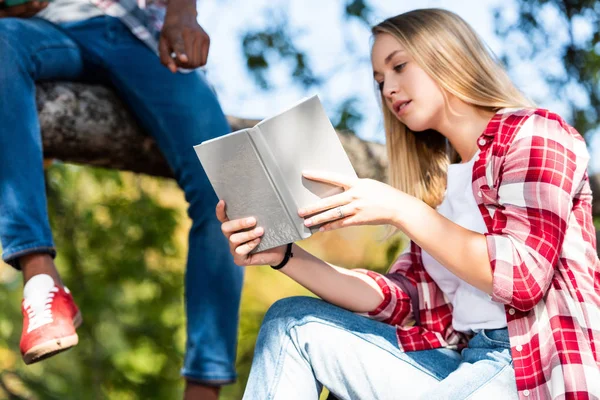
[{"x": 258, "y": 171}]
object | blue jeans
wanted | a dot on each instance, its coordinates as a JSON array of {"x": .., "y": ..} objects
[
  {"x": 178, "y": 110},
  {"x": 305, "y": 343}
]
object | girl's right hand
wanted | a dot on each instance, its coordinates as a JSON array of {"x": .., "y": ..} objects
[{"x": 242, "y": 243}]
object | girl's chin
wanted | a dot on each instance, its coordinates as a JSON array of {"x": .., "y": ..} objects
[
  {"x": 410, "y": 123},
  {"x": 414, "y": 124}
]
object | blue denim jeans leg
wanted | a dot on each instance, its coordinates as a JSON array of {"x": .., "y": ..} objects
[
  {"x": 178, "y": 110},
  {"x": 305, "y": 343}
]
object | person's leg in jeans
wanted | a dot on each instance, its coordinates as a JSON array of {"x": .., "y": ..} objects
[
  {"x": 306, "y": 343},
  {"x": 179, "y": 111},
  {"x": 32, "y": 50},
  {"x": 486, "y": 371}
]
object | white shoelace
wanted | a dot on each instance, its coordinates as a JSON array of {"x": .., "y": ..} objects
[{"x": 40, "y": 310}]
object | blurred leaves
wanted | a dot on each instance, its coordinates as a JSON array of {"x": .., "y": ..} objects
[
  {"x": 268, "y": 48},
  {"x": 275, "y": 46},
  {"x": 359, "y": 9},
  {"x": 579, "y": 53},
  {"x": 122, "y": 238},
  {"x": 121, "y": 242},
  {"x": 118, "y": 255},
  {"x": 348, "y": 115}
]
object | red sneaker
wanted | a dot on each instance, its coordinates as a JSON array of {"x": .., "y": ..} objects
[{"x": 50, "y": 318}]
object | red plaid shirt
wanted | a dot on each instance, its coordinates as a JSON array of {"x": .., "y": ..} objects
[
  {"x": 531, "y": 185},
  {"x": 143, "y": 17}
]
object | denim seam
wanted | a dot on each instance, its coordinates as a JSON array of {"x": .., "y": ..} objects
[
  {"x": 116, "y": 81},
  {"x": 191, "y": 374},
  {"x": 211, "y": 379},
  {"x": 271, "y": 393},
  {"x": 488, "y": 381},
  {"x": 26, "y": 249},
  {"x": 409, "y": 362},
  {"x": 35, "y": 59},
  {"x": 42, "y": 48},
  {"x": 293, "y": 325}
]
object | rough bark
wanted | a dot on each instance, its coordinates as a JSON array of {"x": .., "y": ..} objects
[{"x": 88, "y": 124}]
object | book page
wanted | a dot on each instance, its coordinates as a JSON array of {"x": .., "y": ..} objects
[
  {"x": 303, "y": 138},
  {"x": 238, "y": 177}
]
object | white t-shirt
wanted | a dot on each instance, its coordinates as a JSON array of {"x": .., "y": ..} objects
[
  {"x": 473, "y": 309},
  {"x": 61, "y": 11}
]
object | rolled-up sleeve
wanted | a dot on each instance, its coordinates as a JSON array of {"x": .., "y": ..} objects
[
  {"x": 396, "y": 308},
  {"x": 541, "y": 172}
]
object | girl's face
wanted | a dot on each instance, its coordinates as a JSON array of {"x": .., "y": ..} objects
[{"x": 411, "y": 95}]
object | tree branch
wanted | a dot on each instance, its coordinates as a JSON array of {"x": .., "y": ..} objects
[{"x": 86, "y": 124}]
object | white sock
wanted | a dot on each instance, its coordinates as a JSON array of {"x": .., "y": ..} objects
[{"x": 38, "y": 287}]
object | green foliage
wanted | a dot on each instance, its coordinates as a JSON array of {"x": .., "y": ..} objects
[
  {"x": 359, "y": 9},
  {"x": 121, "y": 250},
  {"x": 274, "y": 45},
  {"x": 121, "y": 238},
  {"x": 579, "y": 55},
  {"x": 277, "y": 45},
  {"x": 348, "y": 115},
  {"x": 117, "y": 254}
]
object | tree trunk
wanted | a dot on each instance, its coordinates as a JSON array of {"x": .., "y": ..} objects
[{"x": 86, "y": 124}]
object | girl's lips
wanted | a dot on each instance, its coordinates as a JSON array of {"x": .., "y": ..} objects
[{"x": 401, "y": 105}]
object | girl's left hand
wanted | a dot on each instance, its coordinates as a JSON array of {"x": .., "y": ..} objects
[{"x": 363, "y": 202}]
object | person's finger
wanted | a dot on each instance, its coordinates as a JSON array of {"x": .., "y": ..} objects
[
  {"x": 178, "y": 46},
  {"x": 196, "y": 59},
  {"x": 204, "y": 48},
  {"x": 335, "y": 213},
  {"x": 340, "y": 223},
  {"x": 233, "y": 226},
  {"x": 243, "y": 237},
  {"x": 247, "y": 247},
  {"x": 188, "y": 51},
  {"x": 325, "y": 204},
  {"x": 164, "y": 51},
  {"x": 330, "y": 177},
  {"x": 220, "y": 211}
]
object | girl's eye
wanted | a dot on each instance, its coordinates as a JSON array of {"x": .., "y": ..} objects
[
  {"x": 399, "y": 67},
  {"x": 380, "y": 85}
]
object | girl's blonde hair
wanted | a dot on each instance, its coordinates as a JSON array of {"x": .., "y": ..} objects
[{"x": 454, "y": 56}]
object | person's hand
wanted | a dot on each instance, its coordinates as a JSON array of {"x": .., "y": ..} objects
[
  {"x": 183, "y": 43},
  {"x": 25, "y": 10},
  {"x": 363, "y": 202},
  {"x": 242, "y": 240}
]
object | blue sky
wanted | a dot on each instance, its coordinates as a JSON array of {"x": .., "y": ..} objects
[{"x": 342, "y": 55}]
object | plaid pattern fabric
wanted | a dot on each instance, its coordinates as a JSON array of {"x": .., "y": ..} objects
[
  {"x": 143, "y": 18},
  {"x": 531, "y": 185}
]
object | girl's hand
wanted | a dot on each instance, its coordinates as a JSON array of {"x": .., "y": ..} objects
[
  {"x": 363, "y": 202},
  {"x": 242, "y": 241}
]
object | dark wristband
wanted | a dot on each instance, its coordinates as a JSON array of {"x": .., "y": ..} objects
[{"x": 286, "y": 258}]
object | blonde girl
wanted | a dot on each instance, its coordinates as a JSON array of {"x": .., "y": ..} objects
[{"x": 497, "y": 295}]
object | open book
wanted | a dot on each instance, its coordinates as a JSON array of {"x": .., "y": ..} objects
[{"x": 258, "y": 171}]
